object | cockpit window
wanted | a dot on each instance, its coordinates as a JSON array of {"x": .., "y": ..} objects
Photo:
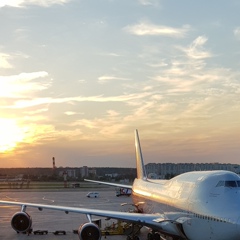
[
  {"x": 220, "y": 184},
  {"x": 231, "y": 184}
]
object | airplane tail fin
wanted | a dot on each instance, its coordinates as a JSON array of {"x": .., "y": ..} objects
[{"x": 141, "y": 171}]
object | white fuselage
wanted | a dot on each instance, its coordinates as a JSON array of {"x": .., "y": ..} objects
[{"x": 210, "y": 201}]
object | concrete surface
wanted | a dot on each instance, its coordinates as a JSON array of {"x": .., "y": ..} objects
[{"x": 55, "y": 220}]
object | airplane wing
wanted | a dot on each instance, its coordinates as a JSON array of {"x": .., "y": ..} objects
[
  {"x": 110, "y": 184},
  {"x": 155, "y": 221}
]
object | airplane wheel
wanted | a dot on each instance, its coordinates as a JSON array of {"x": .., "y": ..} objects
[
  {"x": 156, "y": 236},
  {"x": 150, "y": 236}
]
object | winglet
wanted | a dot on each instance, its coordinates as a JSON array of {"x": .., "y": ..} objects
[{"x": 141, "y": 171}]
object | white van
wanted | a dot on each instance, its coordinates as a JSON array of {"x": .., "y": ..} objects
[{"x": 92, "y": 195}]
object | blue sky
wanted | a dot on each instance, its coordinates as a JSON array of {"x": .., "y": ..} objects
[{"x": 78, "y": 77}]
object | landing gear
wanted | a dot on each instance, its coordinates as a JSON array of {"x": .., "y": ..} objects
[
  {"x": 153, "y": 236},
  {"x": 135, "y": 229},
  {"x": 133, "y": 238}
]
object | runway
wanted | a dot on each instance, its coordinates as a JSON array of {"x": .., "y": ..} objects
[{"x": 55, "y": 220}]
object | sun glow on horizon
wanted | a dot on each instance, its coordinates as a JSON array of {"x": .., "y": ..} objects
[{"x": 10, "y": 134}]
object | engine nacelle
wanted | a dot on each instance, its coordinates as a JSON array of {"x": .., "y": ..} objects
[
  {"x": 21, "y": 222},
  {"x": 89, "y": 231}
]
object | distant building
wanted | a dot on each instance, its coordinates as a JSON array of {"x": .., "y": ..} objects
[
  {"x": 124, "y": 181},
  {"x": 111, "y": 175},
  {"x": 71, "y": 173},
  {"x": 84, "y": 171},
  {"x": 163, "y": 169},
  {"x": 92, "y": 171}
]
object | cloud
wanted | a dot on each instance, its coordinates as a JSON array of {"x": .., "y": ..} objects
[
  {"x": 149, "y": 2},
  {"x": 112, "y": 113},
  {"x": 20, "y": 104},
  {"x": 4, "y": 63},
  {"x": 159, "y": 64},
  {"x": 146, "y": 28},
  {"x": 23, "y": 3},
  {"x": 188, "y": 79},
  {"x": 69, "y": 113},
  {"x": 114, "y": 55},
  {"x": 22, "y": 85},
  {"x": 196, "y": 50},
  {"x": 11, "y": 3},
  {"x": 236, "y": 33},
  {"x": 190, "y": 73},
  {"x": 107, "y": 78}
]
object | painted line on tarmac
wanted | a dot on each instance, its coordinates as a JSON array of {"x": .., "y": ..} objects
[{"x": 49, "y": 200}]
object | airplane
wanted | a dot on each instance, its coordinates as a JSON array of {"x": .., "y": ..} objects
[{"x": 199, "y": 205}]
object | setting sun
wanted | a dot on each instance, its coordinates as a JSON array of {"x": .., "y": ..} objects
[{"x": 10, "y": 134}]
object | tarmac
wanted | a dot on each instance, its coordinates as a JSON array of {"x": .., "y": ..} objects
[{"x": 52, "y": 221}]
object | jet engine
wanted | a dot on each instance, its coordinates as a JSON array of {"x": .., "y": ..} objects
[
  {"x": 89, "y": 231},
  {"x": 21, "y": 222}
]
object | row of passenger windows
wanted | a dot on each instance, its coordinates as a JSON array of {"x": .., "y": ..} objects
[
  {"x": 228, "y": 184},
  {"x": 212, "y": 218}
]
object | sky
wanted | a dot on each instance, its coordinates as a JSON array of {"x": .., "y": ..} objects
[{"x": 77, "y": 77}]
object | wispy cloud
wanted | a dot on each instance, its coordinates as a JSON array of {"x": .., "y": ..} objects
[
  {"x": 24, "y": 3},
  {"x": 236, "y": 33},
  {"x": 158, "y": 64},
  {"x": 110, "y": 54},
  {"x": 22, "y": 85},
  {"x": 108, "y": 78},
  {"x": 112, "y": 113},
  {"x": 196, "y": 49},
  {"x": 4, "y": 63},
  {"x": 149, "y": 2},
  {"x": 19, "y": 104},
  {"x": 147, "y": 28},
  {"x": 69, "y": 113}
]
